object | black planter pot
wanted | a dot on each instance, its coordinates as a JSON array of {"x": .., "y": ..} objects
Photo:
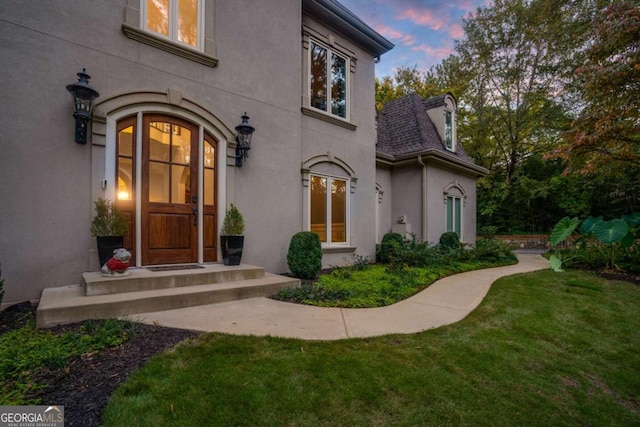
[
  {"x": 106, "y": 246},
  {"x": 231, "y": 249}
]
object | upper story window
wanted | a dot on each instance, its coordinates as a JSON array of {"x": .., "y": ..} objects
[
  {"x": 448, "y": 130},
  {"x": 178, "y": 20},
  {"x": 328, "y": 80},
  {"x": 328, "y": 68},
  {"x": 182, "y": 27}
]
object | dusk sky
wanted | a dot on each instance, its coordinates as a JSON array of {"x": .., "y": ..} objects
[{"x": 423, "y": 31}]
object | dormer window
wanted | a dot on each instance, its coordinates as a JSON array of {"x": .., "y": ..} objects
[{"x": 448, "y": 130}]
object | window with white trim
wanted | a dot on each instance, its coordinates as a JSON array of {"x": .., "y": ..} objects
[
  {"x": 328, "y": 80},
  {"x": 448, "y": 130},
  {"x": 177, "y": 20},
  {"x": 454, "y": 215},
  {"x": 329, "y": 210},
  {"x": 181, "y": 27}
]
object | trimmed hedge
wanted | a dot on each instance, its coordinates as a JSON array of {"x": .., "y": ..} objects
[{"x": 305, "y": 255}]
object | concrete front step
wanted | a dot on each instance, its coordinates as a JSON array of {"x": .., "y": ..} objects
[
  {"x": 69, "y": 304},
  {"x": 143, "y": 279}
]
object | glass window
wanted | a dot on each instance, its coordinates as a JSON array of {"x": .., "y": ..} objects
[
  {"x": 169, "y": 163},
  {"x": 454, "y": 215},
  {"x": 125, "y": 164},
  {"x": 448, "y": 130},
  {"x": 174, "y": 19},
  {"x": 329, "y": 207},
  {"x": 209, "y": 173},
  {"x": 318, "y": 77},
  {"x": 328, "y": 94}
]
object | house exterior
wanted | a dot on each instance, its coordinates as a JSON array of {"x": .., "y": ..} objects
[
  {"x": 174, "y": 80},
  {"x": 425, "y": 182}
]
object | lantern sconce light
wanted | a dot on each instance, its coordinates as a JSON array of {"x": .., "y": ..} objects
[
  {"x": 243, "y": 139},
  {"x": 83, "y": 96}
]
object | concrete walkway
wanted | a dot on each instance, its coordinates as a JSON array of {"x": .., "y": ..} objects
[{"x": 446, "y": 301}]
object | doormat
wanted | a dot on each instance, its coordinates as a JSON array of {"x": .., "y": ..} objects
[{"x": 174, "y": 267}]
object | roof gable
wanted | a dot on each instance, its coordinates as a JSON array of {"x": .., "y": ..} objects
[{"x": 404, "y": 128}]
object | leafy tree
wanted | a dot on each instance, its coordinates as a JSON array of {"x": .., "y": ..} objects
[
  {"x": 606, "y": 132},
  {"x": 515, "y": 54},
  {"x": 406, "y": 80}
]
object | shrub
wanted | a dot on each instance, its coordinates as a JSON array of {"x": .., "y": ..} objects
[
  {"x": 359, "y": 262},
  {"x": 305, "y": 255},
  {"x": 391, "y": 243},
  {"x": 233, "y": 224},
  {"x": 109, "y": 220},
  {"x": 493, "y": 250},
  {"x": 610, "y": 244},
  {"x": 488, "y": 232},
  {"x": 450, "y": 240}
]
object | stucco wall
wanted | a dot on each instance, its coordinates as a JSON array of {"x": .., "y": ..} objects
[
  {"x": 50, "y": 182},
  {"x": 354, "y": 147},
  {"x": 439, "y": 179}
]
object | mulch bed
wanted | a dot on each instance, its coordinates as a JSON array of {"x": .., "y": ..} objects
[{"x": 86, "y": 384}]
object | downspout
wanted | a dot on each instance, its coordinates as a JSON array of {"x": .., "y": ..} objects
[{"x": 424, "y": 197}]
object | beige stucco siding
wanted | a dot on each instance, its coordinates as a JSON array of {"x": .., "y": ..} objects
[{"x": 50, "y": 182}]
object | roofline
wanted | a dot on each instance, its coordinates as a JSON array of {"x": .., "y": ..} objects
[
  {"x": 436, "y": 156},
  {"x": 346, "y": 21}
]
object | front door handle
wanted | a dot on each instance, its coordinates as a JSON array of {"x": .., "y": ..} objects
[{"x": 195, "y": 216}]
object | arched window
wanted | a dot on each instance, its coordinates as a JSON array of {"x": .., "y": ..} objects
[
  {"x": 328, "y": 183},
  {"x": 454, "y": 200}
]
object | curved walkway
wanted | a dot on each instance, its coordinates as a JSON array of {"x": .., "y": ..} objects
[{"x": 446, "y": 301}]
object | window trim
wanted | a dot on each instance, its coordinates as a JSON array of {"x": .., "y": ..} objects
[
  {"x": 329, "y": 57},
  {"x": 453, "y": 130},
  {"x": 453, "y": 198},
  {"x": 328, "y": 42},
  {"x": 173, "y": 25},
  {"x": 328, "y": 225},
  {"x": 134, "y": 28}
]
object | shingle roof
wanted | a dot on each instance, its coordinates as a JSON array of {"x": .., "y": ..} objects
[{"x": 404, "y": 128}]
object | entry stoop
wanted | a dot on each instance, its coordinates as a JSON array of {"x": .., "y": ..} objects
[{"x": 145, "y": 291}]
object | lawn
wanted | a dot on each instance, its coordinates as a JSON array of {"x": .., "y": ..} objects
[{"x": 542, "y": 349}]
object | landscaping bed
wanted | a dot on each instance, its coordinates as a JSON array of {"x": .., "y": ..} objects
[{"x": 85, "y": 383}]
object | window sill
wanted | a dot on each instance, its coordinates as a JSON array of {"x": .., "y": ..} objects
[
  {"x": 338, "y": 249},
  {"x": 312, "y": 112},
  {"x": 168, "y": 46}
]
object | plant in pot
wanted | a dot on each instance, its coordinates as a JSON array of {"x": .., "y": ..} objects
[
  {"x": 109, "y": 226},
  {"x": 231, "y": 236}
]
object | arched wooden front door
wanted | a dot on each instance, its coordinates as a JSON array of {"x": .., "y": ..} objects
[{"x": 177, "y": 187}]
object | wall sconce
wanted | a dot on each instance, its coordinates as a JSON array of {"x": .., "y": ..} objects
[
  {"x": 245, "y": 130},
  {"x": 83, "y": 96}
]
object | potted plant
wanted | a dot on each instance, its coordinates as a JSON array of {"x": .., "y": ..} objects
[
  {"x": 109, "y": 226},
  {"x": 231, "y": 236}
]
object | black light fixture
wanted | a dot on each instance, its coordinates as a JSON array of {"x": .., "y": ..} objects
[
  {"x": 245, "y": 130},
  {"x": 83, "y": 96}
]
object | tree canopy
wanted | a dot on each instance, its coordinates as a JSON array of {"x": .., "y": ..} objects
[
  {"x": 544, "y": 88},
  {"x": 607, "y": 129}
]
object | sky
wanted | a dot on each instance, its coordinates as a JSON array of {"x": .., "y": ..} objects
[{"x": 423, "y": 31}]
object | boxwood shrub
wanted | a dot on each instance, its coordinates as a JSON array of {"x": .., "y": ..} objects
[{"x": 305, "y": 255}]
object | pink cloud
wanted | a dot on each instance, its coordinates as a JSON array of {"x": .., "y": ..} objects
[
  {"x": 440, "y": 52},
  {"x": 421, "y": 17},
  {"x": 456, "y": 31},
  {"x": 405, "y": 39}
]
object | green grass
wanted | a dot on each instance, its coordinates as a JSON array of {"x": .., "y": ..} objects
[
  {"x": 374, "y": 285},
  {"x": 26, "y": 351},
  {"x": 542, "y": 349}
]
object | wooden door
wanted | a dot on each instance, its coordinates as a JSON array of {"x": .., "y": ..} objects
[{"x": 169, "y": 190}]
